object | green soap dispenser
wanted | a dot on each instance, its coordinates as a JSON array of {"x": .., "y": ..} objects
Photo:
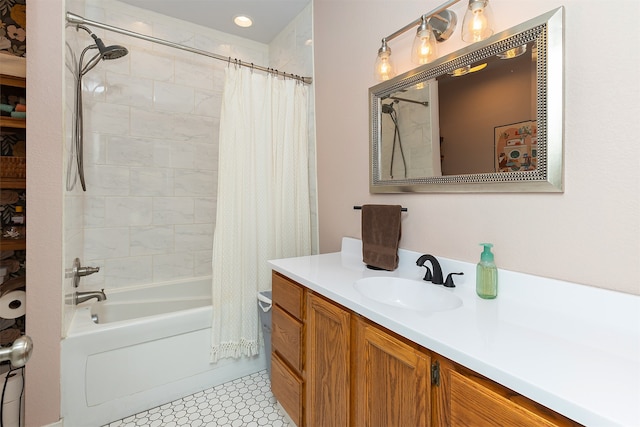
[{"x": 486, "y": 274}]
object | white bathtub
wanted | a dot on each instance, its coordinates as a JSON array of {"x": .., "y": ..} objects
[{"x": 151, "y": 346}]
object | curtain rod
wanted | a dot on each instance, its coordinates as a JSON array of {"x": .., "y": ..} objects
[{"x": 74, "y": 19}]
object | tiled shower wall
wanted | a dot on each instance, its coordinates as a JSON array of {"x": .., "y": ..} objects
[{"x": 151, "y": 141}]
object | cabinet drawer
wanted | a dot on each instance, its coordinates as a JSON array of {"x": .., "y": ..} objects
[
  {"x": 287, "y": 294},
  {"x": 287, "y": 388},
  {"x": 286, "y": 337}
]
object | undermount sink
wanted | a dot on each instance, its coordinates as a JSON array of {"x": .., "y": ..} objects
[{"x": 406, "y": 293}]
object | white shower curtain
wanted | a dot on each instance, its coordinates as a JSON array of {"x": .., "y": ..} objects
[{"x": 263, "y": 206}]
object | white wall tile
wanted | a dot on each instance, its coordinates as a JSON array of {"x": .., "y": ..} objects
[
  {"x": 194, "y": 182},
  {"x": 193, "y": 237},
  {"x": 172, "y": 266},
  {"x": 202, "y": 263},
  {"x": 129, "y": 90},
  {"x": 127, "y": 211},
  {"x": 151, "y": 182},
  {"x": 94, "y": 211},
  {"x": 194, "y": 73},
  {"x": 205, "y": 210},
  {"x": 151, "y": 240},
  {"x": 173, "y": 97},
  {"x": 107, "y": 180},
  {"x": 207, "y": 102},
  {"x": 129, "y": 151},
  {"x": 183, "y": 155},
  {"x": 150, "y": 65},
  {"x": 173, "y": 210},
  {"x": 181, "y": 127},
  {"x": 129, "y": 271},
  {"x": 206, "y": 156},
  {"x": 106, "y": 242},
  {"x": 95, "y": 148},
  {"x": 109, "y": 118}
]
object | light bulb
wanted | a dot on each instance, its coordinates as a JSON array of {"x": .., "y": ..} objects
[
  {"x": 478, "y": 21},
  {"x": 425, "y": 48},
  {"x": 384, "y": 69}
]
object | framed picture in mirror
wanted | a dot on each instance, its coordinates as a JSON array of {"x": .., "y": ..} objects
[{"x": 515, "y": 147}]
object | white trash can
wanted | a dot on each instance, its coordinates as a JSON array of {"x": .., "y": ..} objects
[{"x": 264, "y": 310}]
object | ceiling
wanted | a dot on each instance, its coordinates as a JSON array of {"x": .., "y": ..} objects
[{"x": 269, "y": 16}]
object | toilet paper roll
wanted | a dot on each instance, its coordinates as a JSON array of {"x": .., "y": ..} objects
[{"x": 13, "y": 304}]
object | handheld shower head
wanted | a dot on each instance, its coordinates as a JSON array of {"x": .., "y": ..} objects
[
  {"x": 109, "y": 52},
  {"x": 387, "y": 108}
]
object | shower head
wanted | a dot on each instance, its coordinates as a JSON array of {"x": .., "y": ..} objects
[{"x": 109, "y": 52}]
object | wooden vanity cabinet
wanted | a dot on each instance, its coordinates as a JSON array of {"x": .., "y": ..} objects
[{"x": 357, "y": 373}]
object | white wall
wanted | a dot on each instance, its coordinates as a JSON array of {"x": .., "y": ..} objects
[
  {"x": 590, "y": 234},
  {"x": 45, "y": 81}
]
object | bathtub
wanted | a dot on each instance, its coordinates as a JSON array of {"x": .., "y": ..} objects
[{"x": 150, "y": 346}]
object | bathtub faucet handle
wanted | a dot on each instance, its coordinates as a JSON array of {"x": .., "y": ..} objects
[
  {"x": 79, "y": 271},
  {"x": 85, "y": 271}
]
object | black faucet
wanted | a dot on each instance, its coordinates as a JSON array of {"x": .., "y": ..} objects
[{"x": 436, "y": 279}]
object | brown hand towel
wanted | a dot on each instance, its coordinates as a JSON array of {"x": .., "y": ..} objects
[{"x": 381, "y": 235}]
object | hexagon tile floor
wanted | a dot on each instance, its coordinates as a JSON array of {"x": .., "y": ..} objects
[{"x": 246, "y": 402}]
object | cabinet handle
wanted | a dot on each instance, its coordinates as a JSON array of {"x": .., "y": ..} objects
[{"x": 435, "y": 374}]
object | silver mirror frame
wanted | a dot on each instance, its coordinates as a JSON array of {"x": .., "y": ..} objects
[{"x": 547, "y": 31}]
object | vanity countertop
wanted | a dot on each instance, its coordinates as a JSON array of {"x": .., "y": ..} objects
[{"x": 570, "y": 347}]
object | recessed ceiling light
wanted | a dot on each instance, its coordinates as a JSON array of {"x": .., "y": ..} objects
[{"x": 243, "y": 21}]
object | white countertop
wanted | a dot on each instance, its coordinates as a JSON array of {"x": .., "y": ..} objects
[{"x": 572, "y": 348}]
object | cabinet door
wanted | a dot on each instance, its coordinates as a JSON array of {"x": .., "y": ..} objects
[
  {"x": 392, "y": 380},
  {"x": 327, "y": 363},
  {"x": 477, "y": 402}
]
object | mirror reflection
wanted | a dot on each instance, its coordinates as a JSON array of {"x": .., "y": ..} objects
[
  {"x": 421, "y": 135},
  {"x": 470, "y": 121}
]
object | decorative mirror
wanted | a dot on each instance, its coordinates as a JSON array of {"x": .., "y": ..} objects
[{"x": 487, "y": 118}]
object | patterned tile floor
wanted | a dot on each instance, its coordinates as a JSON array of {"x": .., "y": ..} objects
[{"x": 246, "y": 402}]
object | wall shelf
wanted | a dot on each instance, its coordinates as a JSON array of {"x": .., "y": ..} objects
[
  {"x": 10, "y": 122},
  {"x": 13, "y": 183},
  {"x": 13, "y": 244}
]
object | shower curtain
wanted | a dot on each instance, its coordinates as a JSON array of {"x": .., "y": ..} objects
[{"x": 263, "y": 206}]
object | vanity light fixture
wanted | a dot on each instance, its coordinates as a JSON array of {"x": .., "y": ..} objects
[
  {"x": 478, "y": 21},
  {"x": 434, "y": 26}
]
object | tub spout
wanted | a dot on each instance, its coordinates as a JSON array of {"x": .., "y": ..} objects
[{"x": 85, "y": 296}]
